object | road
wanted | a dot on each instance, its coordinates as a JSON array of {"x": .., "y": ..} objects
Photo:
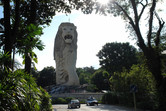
[{"x": 100, "y": 107}]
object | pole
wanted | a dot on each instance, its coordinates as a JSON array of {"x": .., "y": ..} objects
[{"x": 134, "y": 101}]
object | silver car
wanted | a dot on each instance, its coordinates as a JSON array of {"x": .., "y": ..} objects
[
  {"x": 91, "y": 101},
  {"x": 74, "y": 104}
]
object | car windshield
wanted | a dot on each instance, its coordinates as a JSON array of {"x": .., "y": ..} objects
[
  {"x": 74, "y": 101},
  {"x": 91, "y": 98}
]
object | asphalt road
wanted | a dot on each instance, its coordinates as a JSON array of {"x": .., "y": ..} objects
[{"x": 100, "y": 107}]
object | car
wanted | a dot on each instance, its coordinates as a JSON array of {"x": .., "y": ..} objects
[
  {"x": 74, "y": 104},
  {"x": 91, "y": 101}
]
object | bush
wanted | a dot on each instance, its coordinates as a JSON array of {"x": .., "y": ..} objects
[
  {"x": 59, "y": 101},
  {"x": 68, "y": 99},
  {"x": 147, "y": 102},
  {"x": 46, "y": 104},
  {"x": 110, "y": 98},
  {"x": 139, "y": 75},
  {"x": 19, "y": 92}
]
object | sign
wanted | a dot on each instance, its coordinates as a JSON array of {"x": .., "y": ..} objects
[{"x": 133, "y": 88}]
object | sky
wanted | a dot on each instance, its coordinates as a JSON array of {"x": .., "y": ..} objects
[{"x": 94, "y": 31}]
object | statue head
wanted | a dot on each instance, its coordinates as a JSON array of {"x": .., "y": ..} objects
[{"x": 68, "y": 33}]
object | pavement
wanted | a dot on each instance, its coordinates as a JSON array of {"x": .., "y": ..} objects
[{"x": 100, "y": 107}]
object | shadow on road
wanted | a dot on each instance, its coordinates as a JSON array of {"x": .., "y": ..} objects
[
  {"x": 105, "y": 107},
  {"x": 111, "y": 108}
]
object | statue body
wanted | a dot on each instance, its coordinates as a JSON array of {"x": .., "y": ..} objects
[{"x": 65, "y": 55}]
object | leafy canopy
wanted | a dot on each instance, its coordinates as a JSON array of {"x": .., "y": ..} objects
[{"x": 115, "y": 56}]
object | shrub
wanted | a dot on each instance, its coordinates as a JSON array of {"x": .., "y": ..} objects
[
  {"x": 139, "y": 75},
  {"x": 19, "y": 92},
  {"x": 59, "y": 101},
  {"x": 46, "y": 104},
  {"x": 110, "y": 98},
  {"x": 68, "y": 99}
]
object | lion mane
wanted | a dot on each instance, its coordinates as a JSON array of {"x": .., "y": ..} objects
[{"x": 65, "y": 55}]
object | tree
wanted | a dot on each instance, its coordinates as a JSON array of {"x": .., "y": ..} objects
[
  {"x": 99, "y": 78},
  {"x": 115, "y": 56},
  {"x": 84, "y": 78},
  {"x": 47, "y": 77},
  {"x": 90, "y": 70},
  {"x": 85, "y": 74},
  {"x": 7, "y": 31},
  {"x": 29, "y": 41},
  {"x": 139, "y": 76},
  {"x": 132, "y": 12}
]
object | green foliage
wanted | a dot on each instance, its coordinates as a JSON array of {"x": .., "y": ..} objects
[
  {"x": 3, "y": 58},
  {"x": 65, "y": 100},
  {"x": 87, "y": 70},
  {"x": 84, "y": 78},
  {"x": 46, "y": 104},
  {"x": 110, "y": 98},
  {"x": 29, "y": 41},
  {"x": 46, "y": 77},
  {"x": 68, "y": 99},
  {"x": 59, "y": 101},
  {"x": 92, "y": 88},
  {"x": 19, "y": 92},
  {"x": 115, "y": 56},
  {"x": 85, "y": 74},
  {"x": 100, "y": 79},
  {"x": 143, "y": 79}
]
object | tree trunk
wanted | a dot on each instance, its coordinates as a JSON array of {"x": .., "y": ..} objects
[
  {"x": 8, "y": 39},
  {"x": 15, "y": 28},
  {"x": 154, "y": 65},
  {"x": 27, "y": 63},
  {"x": 31, "y": 20}
]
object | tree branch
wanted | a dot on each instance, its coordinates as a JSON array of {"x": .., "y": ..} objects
[
  {"x": 144, "y": 6},
  {"x": 151, "y": 23},
  {"x": 135, "y": 11},
  {"x": 130, "y": 19},
  {"x": 135, "y": 27},
  {"x": 161, "y": 25}
]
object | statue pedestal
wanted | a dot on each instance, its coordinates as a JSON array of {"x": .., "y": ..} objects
[{"x": 58, "y": 89}]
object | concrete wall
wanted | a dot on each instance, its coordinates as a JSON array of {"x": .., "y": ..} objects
[{"x": 81, "y": 96}]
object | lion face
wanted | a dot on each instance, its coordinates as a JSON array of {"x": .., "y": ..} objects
[{"x": 68, "y": 33}]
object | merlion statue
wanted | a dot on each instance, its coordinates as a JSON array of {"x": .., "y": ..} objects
[{"x": 65, "y": 55}]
